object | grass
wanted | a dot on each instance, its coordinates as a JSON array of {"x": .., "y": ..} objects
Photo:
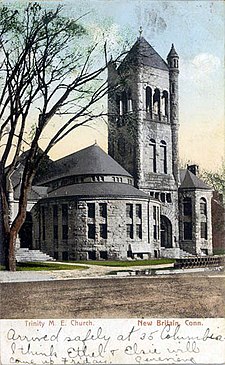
[
  {"x": 219, "y": 251},
  {"x": 39, "y": 266},
  {"x": 127, "y": 263}
]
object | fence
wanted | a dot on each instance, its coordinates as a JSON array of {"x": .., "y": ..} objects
[{"x": 199, "y": 262}]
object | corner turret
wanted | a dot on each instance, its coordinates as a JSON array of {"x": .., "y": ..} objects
[
  {"x": 173, "y": 59},
  {"x": 173, "y": 64}
]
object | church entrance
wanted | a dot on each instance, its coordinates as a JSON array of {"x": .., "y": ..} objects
[
  {"x": 166, "y": 232},
  {"x": 25, "y": 233}
]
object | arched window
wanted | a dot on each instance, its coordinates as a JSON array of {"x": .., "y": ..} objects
[
  {"x": 124, "y": 102},
  {"x": 203, "y": 206},
  {"x": 163, "y": 157},
  {"x": 165, "y": 103},
  {"x": 175, "y": 63},
  {"x": 152, "y": 155},
  {"x": 156, "y": 102},
  {"x": 148, "y": 99},
  {"x": 203, "y": 212}
]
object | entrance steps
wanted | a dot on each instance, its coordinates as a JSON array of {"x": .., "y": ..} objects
[
  {"x": 175, "y": 253},
  {"x": 27, "y": 255}
]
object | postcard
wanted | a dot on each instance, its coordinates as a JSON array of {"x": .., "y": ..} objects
[{"x": 112, "y": 196}]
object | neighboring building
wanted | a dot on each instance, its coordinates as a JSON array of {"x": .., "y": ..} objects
[
  {"x": 134, "y": 202},
  {"x": 218, "y": 223}
]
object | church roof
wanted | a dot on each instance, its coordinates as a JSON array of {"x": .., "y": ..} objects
[
  {"x": 99, "y": 190},
  {"x": 191, "y": 181},
  {"x": 142, "y": 53},
  {"x": 172, "y": 52},
  {"x": 88, "y": 161},
  {"x": 35, "y": 193}
]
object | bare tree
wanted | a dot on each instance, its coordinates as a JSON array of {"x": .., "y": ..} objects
[
  {"x": 215, "y": 179},
  {"x": 42, "y": 73}
]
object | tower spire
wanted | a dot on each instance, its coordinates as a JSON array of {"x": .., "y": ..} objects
[
  {"x": 173, "y": 58},
  {"x": 140, "y": 31}
]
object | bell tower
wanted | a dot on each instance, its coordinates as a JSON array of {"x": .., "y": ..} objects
[{"x": 143, "y": 127}]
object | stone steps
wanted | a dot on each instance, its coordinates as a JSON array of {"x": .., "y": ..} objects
[
  {"x": 27, "y": 255},
  {"x": 184, "y": 253},
  {"x": 174, "y": 253}
]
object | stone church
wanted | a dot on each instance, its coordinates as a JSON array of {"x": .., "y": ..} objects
[{"x": 133, "y": 202}]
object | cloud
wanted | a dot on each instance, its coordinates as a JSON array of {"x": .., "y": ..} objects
[
  {"x": 206, "y": 63},
  {"x": 202, "y": 66}
]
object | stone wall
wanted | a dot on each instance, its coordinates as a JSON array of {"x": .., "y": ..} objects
[
  {"x": 196, "y": 245},
  {"x": 137, "y": 130},
  {"x": 116, "y": 243}
]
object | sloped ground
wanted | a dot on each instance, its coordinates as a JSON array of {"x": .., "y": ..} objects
[{"x": 184, "y": 295}]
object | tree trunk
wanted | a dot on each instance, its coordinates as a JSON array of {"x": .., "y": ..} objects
[{"x": 11, "y": 257}]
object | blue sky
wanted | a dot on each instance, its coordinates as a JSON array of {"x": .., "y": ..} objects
[{"x": 197, "y": 30}]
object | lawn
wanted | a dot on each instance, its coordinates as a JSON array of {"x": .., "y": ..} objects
[
  {"x": 128, "y": 263},
  {"x": 219, "y": 251},
  {"x": 43, "y": 266}
]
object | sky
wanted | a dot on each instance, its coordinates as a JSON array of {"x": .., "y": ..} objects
[{"x": 197, "y": 30}]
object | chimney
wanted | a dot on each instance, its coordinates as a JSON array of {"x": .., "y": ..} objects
[{"x": 194, "y": 169}]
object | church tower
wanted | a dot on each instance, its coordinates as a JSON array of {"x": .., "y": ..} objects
[{"x": 143, "y": 127}]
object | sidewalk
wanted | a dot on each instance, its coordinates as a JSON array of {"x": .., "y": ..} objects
[{"x": 93, "y": 271}]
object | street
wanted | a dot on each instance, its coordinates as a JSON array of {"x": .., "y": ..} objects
[{"x": 184, "y": 295}]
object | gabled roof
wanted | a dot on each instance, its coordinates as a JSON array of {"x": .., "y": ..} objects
[
  {"x": 88, "y": 161},
  {"x": 143, "y": 54},
  {"x": 190, "y": 181}
]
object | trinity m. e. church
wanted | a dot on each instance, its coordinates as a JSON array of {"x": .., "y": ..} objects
[{"x": 133, "y": 202}]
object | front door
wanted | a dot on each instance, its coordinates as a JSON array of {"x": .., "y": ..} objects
[{"x": 166, "y": 232}]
